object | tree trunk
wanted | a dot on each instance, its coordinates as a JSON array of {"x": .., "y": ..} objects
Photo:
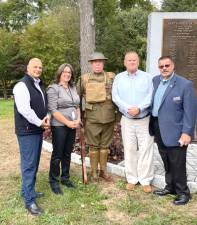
[
  {"x": 5, "y": 96},
  {"x": 87, "y": 33},
  {"x": 4, "y": 88}
]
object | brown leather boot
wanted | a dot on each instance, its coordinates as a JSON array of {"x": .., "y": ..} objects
[
  {"x": 103, "y": 165},
  {"x": 94, "y": 159}
]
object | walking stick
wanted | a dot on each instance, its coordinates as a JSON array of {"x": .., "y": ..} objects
[
  {"x": 83, "y": 154},
  {"x": 82, "y": 143}
]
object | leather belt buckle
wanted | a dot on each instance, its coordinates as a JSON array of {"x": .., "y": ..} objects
[{"x": 141, "y": 117}]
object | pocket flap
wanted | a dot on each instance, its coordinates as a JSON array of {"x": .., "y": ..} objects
[{"x": 88, "y": 106}]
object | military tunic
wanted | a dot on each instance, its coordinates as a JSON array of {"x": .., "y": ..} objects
[{"x": 99, "y": 116}]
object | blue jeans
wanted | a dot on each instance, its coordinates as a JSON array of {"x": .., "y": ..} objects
[{"x": 30, "y": 150}]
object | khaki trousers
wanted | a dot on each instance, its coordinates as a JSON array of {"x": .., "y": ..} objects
[
  {"x": 99, "y": 135},
  {"x": 138, "y": 150}
]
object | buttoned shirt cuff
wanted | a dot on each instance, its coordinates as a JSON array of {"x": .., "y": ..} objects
[
  {"x": 38, "y": 122},
  {"x": 125, "y": 110}
]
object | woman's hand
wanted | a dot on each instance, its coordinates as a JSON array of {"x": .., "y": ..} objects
[
  {"x": 72, "y": 124},
  {"x": 46, "y": 133},
  {"x": 78, "y": 121}
]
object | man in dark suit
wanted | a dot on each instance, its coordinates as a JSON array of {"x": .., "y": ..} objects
[{"x": 173, "y": 119}]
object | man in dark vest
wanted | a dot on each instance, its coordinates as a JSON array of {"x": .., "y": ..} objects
[{"x": 30, "y": 110}]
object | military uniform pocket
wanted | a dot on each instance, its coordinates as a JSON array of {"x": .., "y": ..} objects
[{"x": 89, "y": 106}]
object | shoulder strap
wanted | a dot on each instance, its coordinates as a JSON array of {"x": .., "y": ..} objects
[
  {"x": 85, "y": 78},
  {"x": 110, "y": 75}
]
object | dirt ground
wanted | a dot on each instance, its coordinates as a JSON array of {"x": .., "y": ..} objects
[{"x": 9, "y": 151}]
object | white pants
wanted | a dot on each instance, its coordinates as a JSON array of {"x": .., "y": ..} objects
[{"x": 138, "y": 150}]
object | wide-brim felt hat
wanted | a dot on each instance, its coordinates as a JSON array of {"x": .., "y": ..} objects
[{"x": 96, "y": 56}]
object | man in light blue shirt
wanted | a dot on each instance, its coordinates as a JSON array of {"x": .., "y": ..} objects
[
  {"x": 132, "y": 92},
  {"x": 159, "y": 95}
]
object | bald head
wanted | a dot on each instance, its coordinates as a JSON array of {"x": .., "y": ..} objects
[
  {"x": 131, "y": 53},
  {"x": 131, "y": 62},
  {"x": 34, "y": 68}
]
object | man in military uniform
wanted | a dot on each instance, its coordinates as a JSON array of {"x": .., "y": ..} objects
[{"x": 96, "y": 88}]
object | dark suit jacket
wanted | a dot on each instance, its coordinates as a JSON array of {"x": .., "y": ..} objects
[{"x": 178, "y": 111}]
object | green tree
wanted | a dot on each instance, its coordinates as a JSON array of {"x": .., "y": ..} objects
[
  {"x": 15, "y": 15},
  {"x": 54, "y": 39},
  {"x": 129, "y": 32},
  {"x": 127, "y": 4},
  {"x": 54, "y": 3},
  {"x": 9, "y": 57},
  {"x": 105, "y": 17},
  {"x": 179, "y": 6},
  {"x": 119, "y": 30}
]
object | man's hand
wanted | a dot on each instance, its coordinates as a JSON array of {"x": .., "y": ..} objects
[
  {"x": 133, "y": 111},
  {"x": 45, "y": 123},
  {"x": 185, "y": 139}
]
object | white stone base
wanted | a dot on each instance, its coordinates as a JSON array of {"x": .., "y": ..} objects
[
  {"x": 75, "y": 158},
  {"x": 158, "y": 180}
]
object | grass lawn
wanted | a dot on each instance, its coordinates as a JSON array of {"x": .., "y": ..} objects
[
  {"x": 6, "y": 108},
  {"x": 79, "y": 206},
  {"x": 102, "y": 204}
]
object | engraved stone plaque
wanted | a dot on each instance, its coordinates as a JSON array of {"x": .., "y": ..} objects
[
  {"x": 174, "y": 33},
  {"x": 180, "y": 42}
]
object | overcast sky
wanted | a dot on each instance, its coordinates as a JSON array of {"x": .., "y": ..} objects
[{"x": 157, "y": 2}]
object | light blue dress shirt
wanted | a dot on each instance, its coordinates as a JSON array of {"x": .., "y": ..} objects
[
  {"x": 159, "y": 95},
  {"x": 132, "y": 90}
]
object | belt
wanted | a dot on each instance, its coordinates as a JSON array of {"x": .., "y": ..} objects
[
  {"x": 139, "y": 118},
  {"x": 155, "y": 117}
]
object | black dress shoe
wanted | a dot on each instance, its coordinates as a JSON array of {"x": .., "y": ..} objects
[
  {"x": 39, "y": 194},
  {"x": 182, "y": 199},
  {"x": 68, "y": 183},
  {"x": 56, "y": 189},
  {"x": 163, "y": 192},
  {"x": 34, "y": 209}
]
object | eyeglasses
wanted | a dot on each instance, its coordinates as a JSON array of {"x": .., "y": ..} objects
[{"x": 162, "y": 66}]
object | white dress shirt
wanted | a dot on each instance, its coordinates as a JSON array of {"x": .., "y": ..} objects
[{"x": 22, "y": 100}]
